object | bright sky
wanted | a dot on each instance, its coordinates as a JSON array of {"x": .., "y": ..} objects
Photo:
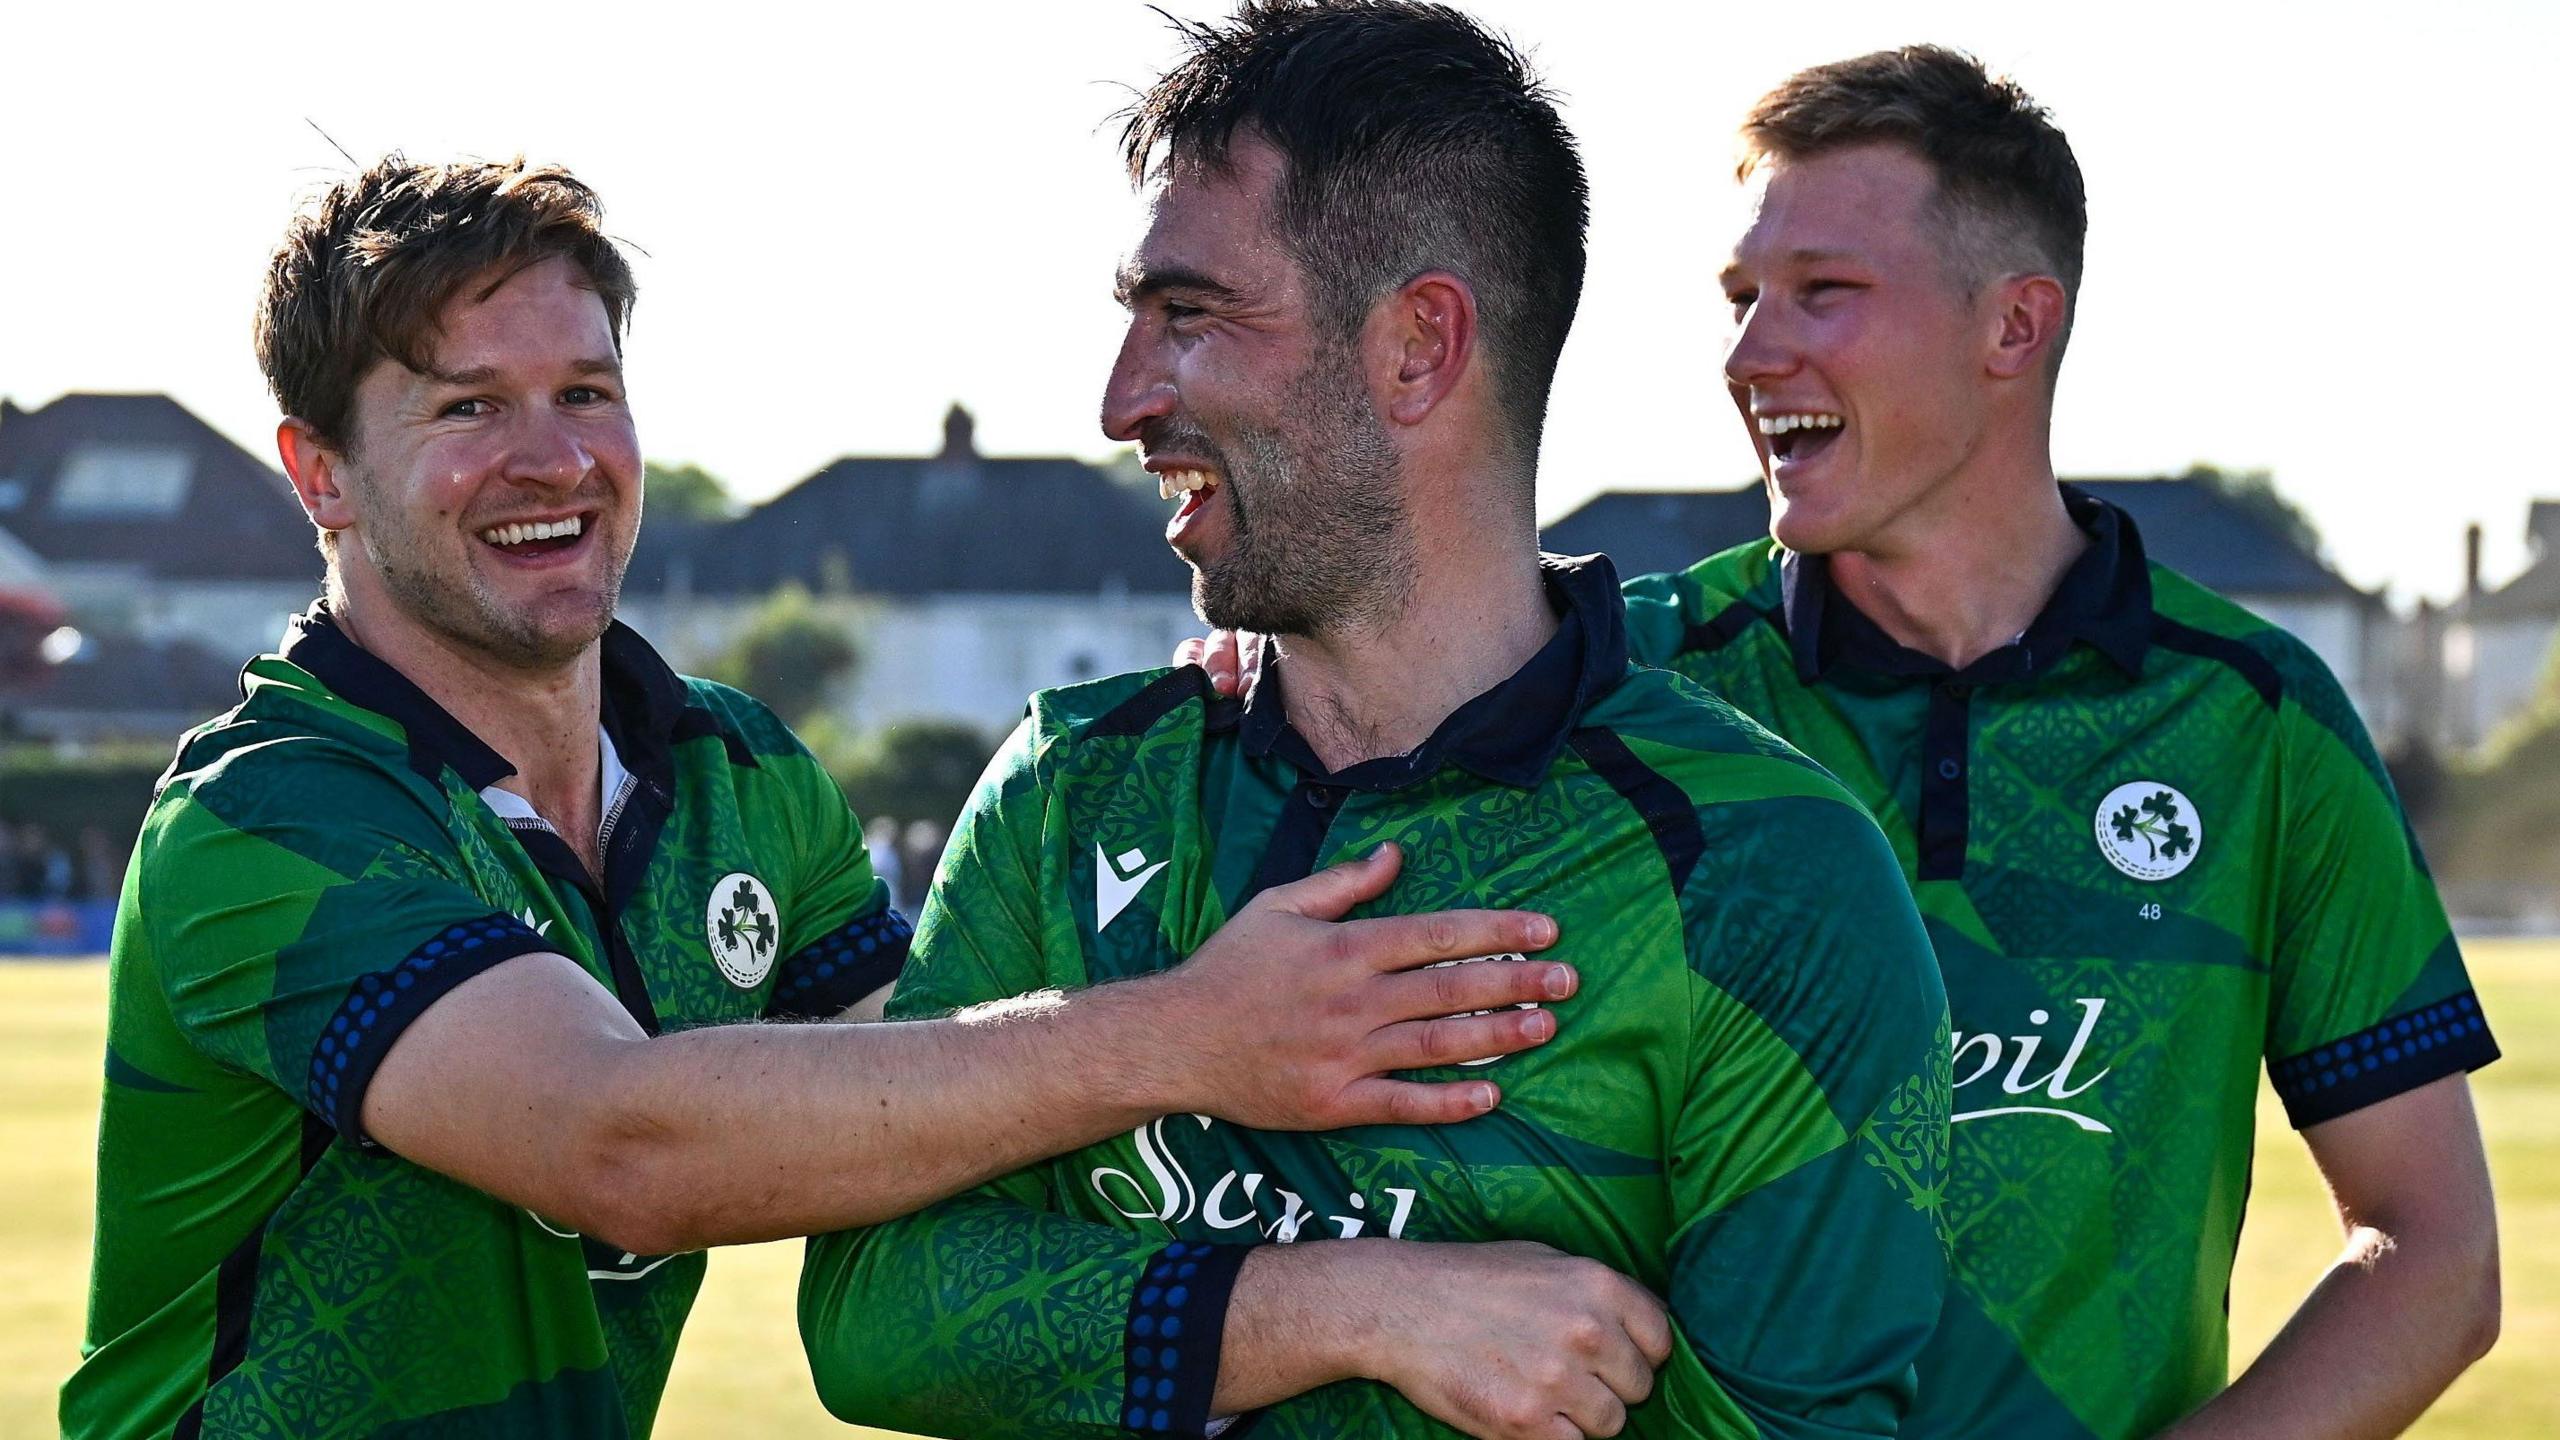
[{"x": 2320, "y": 235}]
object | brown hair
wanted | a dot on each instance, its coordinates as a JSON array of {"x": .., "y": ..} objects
[
  {"x": 2010, "y": 195},
  {"x": 366, "y": 269}
]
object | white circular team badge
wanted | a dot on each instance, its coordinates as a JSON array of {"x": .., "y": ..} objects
[
  {"x": 743, "y": 926},
  {"x": 2148, "y": 830},
  {"x": 1470, "y": 960}
]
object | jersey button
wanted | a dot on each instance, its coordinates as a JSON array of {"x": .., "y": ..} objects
[
  {"x": 1320, "y": 797},
  {"x": 1949, "y": 769},
  {"x": 1959, "y": 690}
]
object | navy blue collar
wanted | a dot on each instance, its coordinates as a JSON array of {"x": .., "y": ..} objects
[
  {"x": 2104, "y": 600},
  {"x": 644, "y": 701},
  {"x": 1509, "y": 734}
]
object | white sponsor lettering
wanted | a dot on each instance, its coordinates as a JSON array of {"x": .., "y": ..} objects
[
  {"x": 1236, "y": 1200},
  {"x": 2055, "y": 1084}
]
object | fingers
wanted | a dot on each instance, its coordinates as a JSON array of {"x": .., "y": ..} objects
[
  {"x": 1460, "y": 1039},
  {"x": 1330, "y": 893},
  {"x": 1593, "y": 1409},
  {"x": 1250, "y": 648},
  {"x": 1402, "y": 942},
  {"x": 1649, "y": 1325},
  {"x": 1222, "y": 657},
  {"x": 1446, "y": 989},
  {"x": 1410, "y": 1102},
  {"x": 1625, "y": 1370}
]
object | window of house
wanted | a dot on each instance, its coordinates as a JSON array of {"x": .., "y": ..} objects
[{"x": 117, "y": 480}]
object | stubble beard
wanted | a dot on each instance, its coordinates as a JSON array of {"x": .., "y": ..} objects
[
  {"x": 1323, "y": 544},
  {"x": 461, "y": 608}
]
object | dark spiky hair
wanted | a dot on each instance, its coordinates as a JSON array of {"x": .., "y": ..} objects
[{"x": 1415, "y": 140}]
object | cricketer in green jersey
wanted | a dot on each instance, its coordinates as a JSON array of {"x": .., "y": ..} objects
[
  {"x": 1747, "y": 1115},
  {"x": 1747, "y": 1111},
  {"x": 2126, "y": 806},
  {"x": 422, "y": 1095}
]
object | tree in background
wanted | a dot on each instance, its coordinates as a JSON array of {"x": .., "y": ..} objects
[
  {"x": 915, "y": 770},
  {"x": 788, "y": 655},
  {"x": 686, "y": 494},
  {"x": 2255, "y": 492}
]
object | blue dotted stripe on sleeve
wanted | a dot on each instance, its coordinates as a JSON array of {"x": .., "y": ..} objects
[
  {"x": 2376, "y": 1063},
  {"x": 380, "y": 1005},
  {"x": 1177, "y": 1320},
  {"x": 824, "y": 976}
]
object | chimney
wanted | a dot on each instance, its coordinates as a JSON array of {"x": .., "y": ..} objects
[
  {"x": 959, "y": 434},
  {"x": 2471, "y": 562}
]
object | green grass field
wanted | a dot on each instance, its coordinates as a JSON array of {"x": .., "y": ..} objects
[{"x": 739, "y": 1371}]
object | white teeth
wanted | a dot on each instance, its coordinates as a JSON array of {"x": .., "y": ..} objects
[
  {"x": 1170, "y": 483},
  {"x": 1781, "y": 424},
  {"x": 540, "y": 530}
]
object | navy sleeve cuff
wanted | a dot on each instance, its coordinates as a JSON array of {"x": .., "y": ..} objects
[
  {"x": 381, "y": 1005},
  {"x": 840, "y": 967},
  {"x": 1177, "y": 1321},
  {"x": 2376, "y": 1063}
]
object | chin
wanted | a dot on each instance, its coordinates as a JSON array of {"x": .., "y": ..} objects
[{"x": 1808, "y": 531}]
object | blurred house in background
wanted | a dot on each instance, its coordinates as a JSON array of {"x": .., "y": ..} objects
[
  {"x": 2194, "y": 528},
  {"x": 2496, "y": 643},
  {"x": 967, "y": 581},
  {"x": 173, "y": 555}
]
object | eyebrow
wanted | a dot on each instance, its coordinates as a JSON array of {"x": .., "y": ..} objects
[
  {"x": 1799, "y": 256},
  {"x": 488, "y": 374},
  {"x": 1136, "y": 283}
]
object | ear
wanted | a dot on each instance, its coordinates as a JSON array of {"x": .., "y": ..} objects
[
  {"x": 317, "y": 469},
  {"x": 2029, "y": 310},
  {"x": 1429, "y": 339}
]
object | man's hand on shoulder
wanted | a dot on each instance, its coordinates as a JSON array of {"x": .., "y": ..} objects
[
  {"x": 1233, "y": 659},
  {"x": 1290, "y": 1019}
]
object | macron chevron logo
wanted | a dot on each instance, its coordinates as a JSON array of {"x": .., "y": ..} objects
[{"x": 1116, "y": 883}]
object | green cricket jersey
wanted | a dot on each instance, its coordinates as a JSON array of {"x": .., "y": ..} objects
[
  {"x": 1745, "y": 1108},
  {"x": 2154, "y": 848},
  {"x": 320, "y": 866}
]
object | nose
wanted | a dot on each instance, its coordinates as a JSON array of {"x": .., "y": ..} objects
[
  {"x": 547, "y": 449},
  {"x": 1761, "y": 349},
  {"x": 1141, "y": 386}
]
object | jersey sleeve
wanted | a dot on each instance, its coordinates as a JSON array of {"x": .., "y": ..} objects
[
  {"x": 306, "y": 907},
  {"x": 1808, "y": 1258},
  {"x": 844, "y": 939},
  {"x": 990, "y": 1314},
  {"x": 2370, "y": 998}
]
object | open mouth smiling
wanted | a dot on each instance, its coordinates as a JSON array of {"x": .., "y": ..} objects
[
  {"x": 528, "y": 538},
  {"x": 1798, "y": 436}
]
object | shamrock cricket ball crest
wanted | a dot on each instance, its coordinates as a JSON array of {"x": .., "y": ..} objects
[
  {"x": 2148, "y": 830},
  {"x": 744, "y": 927}
]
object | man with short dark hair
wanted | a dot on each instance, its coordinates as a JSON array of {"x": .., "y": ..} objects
[
  {"x": 1364, "y": 255},
  {"x": 2153, "y": 844},
  {"x": 430, "y": 1071}
]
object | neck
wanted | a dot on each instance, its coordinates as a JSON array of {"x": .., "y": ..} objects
[
  {"x": 1477, "y": 611},
  {"x": 543, "y": 720},
  {"x": 1969, "y": 571}
]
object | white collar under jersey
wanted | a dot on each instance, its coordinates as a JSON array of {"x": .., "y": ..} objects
[{"x": 613, "y": 790}]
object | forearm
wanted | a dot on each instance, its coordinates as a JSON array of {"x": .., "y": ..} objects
[
  {"x": 986, "y": 1316},
  {"x": 735, "y": 1134},
  {"x": 2379, "y": 1338}
]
